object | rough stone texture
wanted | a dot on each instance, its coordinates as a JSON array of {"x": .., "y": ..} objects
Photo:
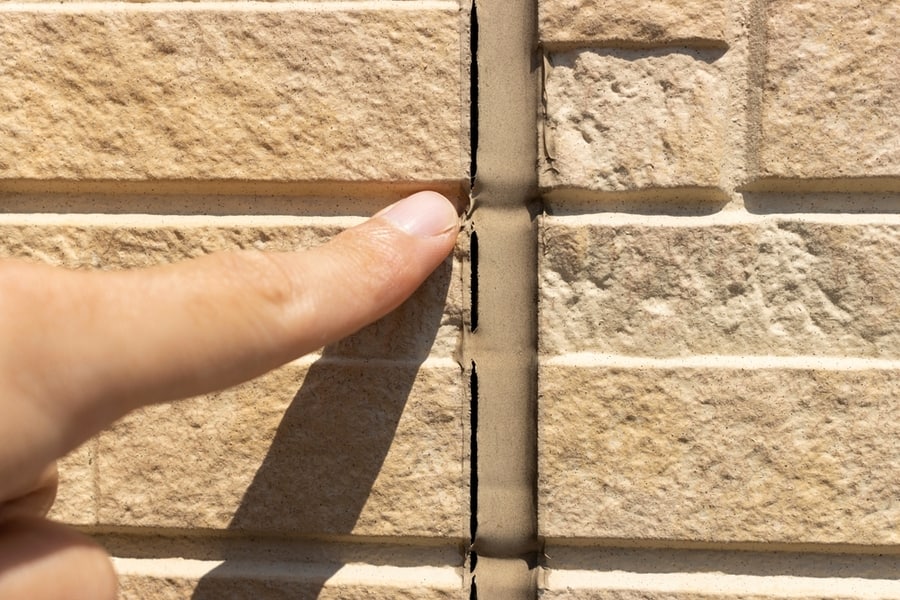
[
  {"x": 428, "y": 324},
  {"x": 306, "y": 1},
  {"x": 594, "y": 573},
  {"x": 308, "y": 94},
  {"x": 76, "y": 502},
  {"x": 723, "y": 561},
  {"x": 774, "y": 287},
  {"x": 260, "y": 586},
  {"x": 646, "y": 22},
  {"x": 613, "y": 594},
  {"x": 166, "y": 485},
  {"x": 832, "y": 90},
  {"x": 730, "y": 455},
  {"x": 622, "y": 120},
  {"x": 335, "y": 448}
]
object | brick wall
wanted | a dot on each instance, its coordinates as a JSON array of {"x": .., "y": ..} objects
[
  {"x": 719, "y": 283},
  {"x": 703, "y": 402},
  {"x": 137, "y": 134}
]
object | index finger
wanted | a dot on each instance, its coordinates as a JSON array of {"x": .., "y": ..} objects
[{"x": 81, "y": 349}]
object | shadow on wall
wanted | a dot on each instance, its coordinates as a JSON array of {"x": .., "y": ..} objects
[{"x": 330, "y": 447}]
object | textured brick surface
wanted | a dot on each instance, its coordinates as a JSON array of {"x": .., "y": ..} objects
[
  {"x": 647, "y": 22},
  {"x": 747, "y": 594},
  {"x": 267, "y": 585},
  {"x": 772, "y": 287},
  {"x": 427, "y": 324},
  {"x": 623, "y": 120},
  {"x": 770, "y": 420},
  {"x": 166, "y": 588},
  {"x": 832, "y": 90},
  {"x": 767, "y": 455},
  {"x": 228, "y": 437},
  {"x": 76, "y": 502},
  {"x": 579, "y": 573},
  {"x": 335, "y": 448},
  {"x": 307, "y": 94}
]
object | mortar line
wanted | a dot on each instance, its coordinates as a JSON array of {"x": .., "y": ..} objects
[
  {"x": 720, "y": 219},
  {"x": 445, "y": 578},
  {"x": 263, "y": 542},
  {"x": 219, "y": 7},
  {"x": 642, "y": 550},
  {"x": 711, "y": 361},
  {"x": 778, "y": 586},
  {"x": 100, "y": 195},
  {"x": 155, "y": 221},
  {"x": 503, "y": 347}
]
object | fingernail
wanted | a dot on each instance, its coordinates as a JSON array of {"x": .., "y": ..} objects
[{"x": 425, "y": 214}]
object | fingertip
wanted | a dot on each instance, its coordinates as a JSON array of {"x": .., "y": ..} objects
[
  {"x": 425, "y": 214},
  {"x": 369, "y": 270}
]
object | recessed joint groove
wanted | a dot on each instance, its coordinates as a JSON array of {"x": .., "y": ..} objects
[{"x": 503, "y": 348}]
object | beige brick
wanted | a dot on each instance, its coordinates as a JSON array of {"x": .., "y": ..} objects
[
  {"x": 167, "y": 588},
  {"x": 585, "y": 573},
  {"x": 606, "y": 594},
  {"x": 246, "y": 93},
  {"x": 622, "y": 120},
  {"x": 719, "y": 454},
  {"x": 76, "y": 501},
  {"x": 335, "y": 448},
  {"x": 644, "y": 22},
  {"x": 643, "y": 593},
  {"x": 770, "y": 286},
  {"x": 832, "y": 90},
  {"x": 312, "y": 1},
  {"x": 427, "y": 324},
  {"x": 299, "y": 581}
]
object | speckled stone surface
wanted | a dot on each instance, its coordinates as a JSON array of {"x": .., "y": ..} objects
[
  {"x": 637, "y": 22},
  {"x": 266, "y": 585},
  {"x": 329, "y": 449},
  {"x": 777, "y": 286},
  {"x": 719, "y": 454},
  {"x": 622, "y": 120},
  {"x": 302, "y": 95},
  {"x": 832, "y": 88}
]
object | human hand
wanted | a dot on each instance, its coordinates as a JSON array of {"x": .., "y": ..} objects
[{"x": 81, "y": 349}]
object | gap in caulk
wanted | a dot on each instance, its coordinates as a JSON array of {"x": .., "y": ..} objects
[
  {"x": 473, "y": 281},
  {"x": 473, "y": 461}
]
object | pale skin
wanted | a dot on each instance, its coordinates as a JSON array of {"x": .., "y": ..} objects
[{"x": 81, "y": 349}]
